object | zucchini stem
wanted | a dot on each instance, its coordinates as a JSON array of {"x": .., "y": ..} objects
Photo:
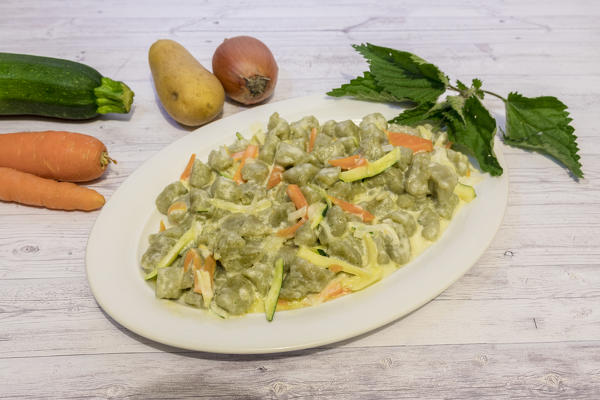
[{"x": 113, "y": 97}]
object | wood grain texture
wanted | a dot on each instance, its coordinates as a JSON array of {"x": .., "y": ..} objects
[{"x": 524, "y": 322}]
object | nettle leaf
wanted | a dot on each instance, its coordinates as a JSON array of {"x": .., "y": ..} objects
[
  {"x": 364, "y": 88},
  {"x": 418, "y": 115},
  {"x": 461, "y": 86},
  {"x": 476, "y": 85},
  {"x": 404, "y": 75},
  {"x": 476, "y": 134},
  {"x": 542, "y": 124},
  {"x": 455, "y": 103}
]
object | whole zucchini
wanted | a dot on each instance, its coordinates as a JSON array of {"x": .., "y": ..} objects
[{"x": 52, "y": 87}]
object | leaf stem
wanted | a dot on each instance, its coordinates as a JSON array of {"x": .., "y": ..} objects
[{"x": 494, "y": 94}]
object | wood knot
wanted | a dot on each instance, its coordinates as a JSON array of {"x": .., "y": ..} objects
[
  {"x": 387, "y": 362},
  {"x": 29, "y": 249},
  {"x": 279, "y": 388}
]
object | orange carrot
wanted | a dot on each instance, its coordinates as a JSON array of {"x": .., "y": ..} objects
[
  {"x": 177, "y": 206},
  {"x": 313, "y": 137},
  {"x": 354, "y": 209},
  {"x": 275, "y": 177},
  {"x": 335, "y": 268},
  {"x": 188, "y": 168},
  {"x": 192, "y": 259},
  {"x": 162, "y": 227},
  {"x": 209, "y": 267},
  {"x": 332, "y": 291},
  {"x": 448, "y": 145},
  {"x": 250, "y": 152},
  {"x": 64, "y": 156},
  {"x": 295, "y": 194},
  {"x": 412, "y": 142},
  {"x": 32, "y": 190},
  {"x": 238, "y": 156},
  {"x": 349, "y": 162},
  {"x": 290, "y": 231}
]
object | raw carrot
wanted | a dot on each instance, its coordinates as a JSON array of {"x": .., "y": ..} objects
[
  {"x": 313, "y": 137},
  {"x": 25, "y": 188},
  {"x": 275, "y": 177},
  {"x": 188, "y": 168},
  {"x": 415, "y": 143},
  {"x": 295, "y": 194},
  {"x": 349, "y": 162},
  {"x": 290, "y": 231},
  {"x": 250, "y": 152},
  {"x": 354, "y": 209},
  {"x": 64, "y": 156}
]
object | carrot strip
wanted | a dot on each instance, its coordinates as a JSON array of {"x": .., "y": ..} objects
[
  {"x": 191, "y": 259},
  {"x": 32, "y": 190},
  {"x": 238, "y": 156},
  {"x": 313, "y": 137},
  {"x": 295, "y": 194},
  {"x": 349, "y": 162},
  {"x": 250, "y": 152},
  {"x": 207, "y": 269},
  {"x": 335, "y": 268},
  {"x": 177, "y": 206},
  {"x": 412, "y": 142},
  {"x": 353, "y": 209},
  {"x": 291, "y": 230},
  {"x": 188, "y": 168},
  {"x": 275, "y": 177},
  {"x": 161, "y": 227},
  {"x": 332, "y": 291}
]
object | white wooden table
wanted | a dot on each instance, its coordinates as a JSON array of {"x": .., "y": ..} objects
[{"x": 523, "y": 322}]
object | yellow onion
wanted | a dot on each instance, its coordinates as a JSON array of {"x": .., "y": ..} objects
[{"x": 246, "y": 68}]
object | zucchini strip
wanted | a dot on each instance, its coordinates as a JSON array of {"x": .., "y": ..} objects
[
  {"x": 237, "y": 208},
  {"x": 273, "y": 295},
  {"x": 185, "y": 239},
  {"x": 326, "y": 262}
]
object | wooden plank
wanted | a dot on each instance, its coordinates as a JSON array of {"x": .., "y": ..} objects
[
  {"x": 426, "y": 372},
  {"x": 73, "y": 325}
]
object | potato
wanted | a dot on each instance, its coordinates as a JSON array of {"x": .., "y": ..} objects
[{"x": 189, "y": 92}]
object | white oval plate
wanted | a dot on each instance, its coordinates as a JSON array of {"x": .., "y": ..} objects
[{"x": 119, "y": 236}]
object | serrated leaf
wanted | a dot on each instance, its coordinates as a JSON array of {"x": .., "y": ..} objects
[
  {"x": 404, "y": 75},
  {"x": 460, "y": 85},
  {"x": 476, "y": 134},
  {"x": 542, "y": 124},
  {"x": 364, "y": 88},
  {"x": 476, "y": 85},
  {"x": 417, "y": 115},
  {"x": 456, "y": 103}
]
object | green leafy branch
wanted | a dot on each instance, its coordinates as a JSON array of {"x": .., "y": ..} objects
[{"x": 540, "y": 124}]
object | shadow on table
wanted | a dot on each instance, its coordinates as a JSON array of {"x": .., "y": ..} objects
[{"x": 247, "y": 357}]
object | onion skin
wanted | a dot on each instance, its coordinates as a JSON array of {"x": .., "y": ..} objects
[{"x": 246, "y": 68}]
